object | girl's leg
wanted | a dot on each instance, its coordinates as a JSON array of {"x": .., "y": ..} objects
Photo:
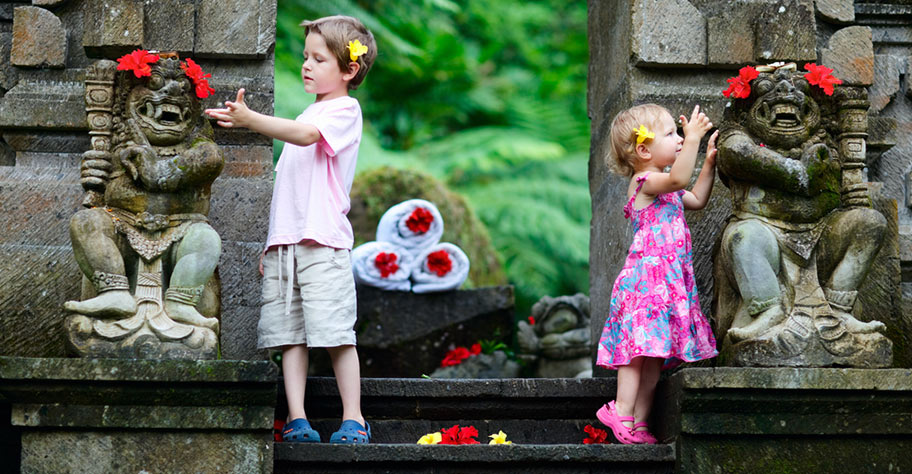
[
  {"x": 294, "y": 371},
  {"x": 348, "y": 377},
  {"x": 649, "y": 376},
  {"x": 628, "y": 387}
]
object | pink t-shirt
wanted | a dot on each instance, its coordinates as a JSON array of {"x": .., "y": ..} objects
[{"x": 310, "y": 197}]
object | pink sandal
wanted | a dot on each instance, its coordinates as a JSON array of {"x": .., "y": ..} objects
[
  {"x": 609, "y": 417},
  {"x": 644, "y": 436}
]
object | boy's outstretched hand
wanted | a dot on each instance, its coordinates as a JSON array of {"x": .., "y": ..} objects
[
  {"x": 698, "y": 124},
  {"x": 235, "y": 114}
]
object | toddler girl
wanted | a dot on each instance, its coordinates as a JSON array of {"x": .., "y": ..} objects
[{"x": 655, "y": 314}]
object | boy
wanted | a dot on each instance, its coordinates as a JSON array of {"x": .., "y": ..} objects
[{"x": 311, "y": 301}]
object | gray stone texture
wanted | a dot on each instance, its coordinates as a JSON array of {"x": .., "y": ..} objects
[
  {"x": 113, "y": 27},
  {"x": 887, "y": 71},
  {"x": 244, "y": 28},
  {"x": 785, "y": 30},
  {"x": 39, "y": 39},
  {"x": 850, "y": 53},
  {"x": 170, "y": 26},
  {"x": 836, "y": 11},
  {"x": 667, "y": 32},
  {"x": 48, "y": 3},
  {"x": 42, "y": 104}
]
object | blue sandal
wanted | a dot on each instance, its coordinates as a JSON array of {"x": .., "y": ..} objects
[
  {"x": 300, "y": 431},
  {"x": 351, "y": 432}
]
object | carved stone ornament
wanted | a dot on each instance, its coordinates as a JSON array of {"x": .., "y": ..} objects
[{"x": 556, "y": 337}]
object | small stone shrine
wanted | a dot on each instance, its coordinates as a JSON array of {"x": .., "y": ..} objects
[
  {"x": 802, "y": 235},
  {"x": 555, "y": 338}
]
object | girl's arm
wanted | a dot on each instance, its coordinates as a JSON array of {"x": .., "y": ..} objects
[
  {"x": 237, "y": 114},
  {"x": 682, "y": 169},
  {"x": 697, "y": 198}
]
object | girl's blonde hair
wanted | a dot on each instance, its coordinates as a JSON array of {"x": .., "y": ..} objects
[{"x": 622, "y": 151}]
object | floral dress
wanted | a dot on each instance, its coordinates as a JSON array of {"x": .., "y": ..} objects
[{"x": 655, "y": 311}]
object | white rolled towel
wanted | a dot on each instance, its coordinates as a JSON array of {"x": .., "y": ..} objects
[
  {"x": 414, "y": 225},
  {"x": 442, "y": 267},
  {"x": 382, "y": 265}
]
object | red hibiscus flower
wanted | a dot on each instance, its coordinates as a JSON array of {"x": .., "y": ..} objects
[
  {"x": 476, "y": 349},
  {"x": 196, "y": 74},
  {"x": 596, "y": 436},
  {"x": 386, "y": 263},
  {"x": 439, "y": 262},
  {"x": 138, "y": 61},
  {"x": 455, "y": 357},
  {"x": 531, "y": 320},
  {"x": 277, "y": 427},
  {"x": 739, "y": 86},
  {"x": 420, "y": 220},
  {"x": 822, "y": 77},
  {"x": 457, "y": 435}
]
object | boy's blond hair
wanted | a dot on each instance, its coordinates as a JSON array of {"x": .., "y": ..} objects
[
  {"x": 622, "y": 152},
  {"x": 337, "y": 31}
]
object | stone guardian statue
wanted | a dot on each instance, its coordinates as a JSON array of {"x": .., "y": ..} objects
[
  {"x": 144, "y": 243},
  {"x": 803, "y": 234}
]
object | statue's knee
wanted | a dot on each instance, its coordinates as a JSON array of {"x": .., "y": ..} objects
[
  {"x": 865, "y": 224},
  {"x": 751, "y": 237},
  {"x": 88, "y": 222},
  {"x": 202, "y": 239}
]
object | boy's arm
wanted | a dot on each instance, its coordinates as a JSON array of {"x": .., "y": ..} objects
[{"x": 237, "y": 114}]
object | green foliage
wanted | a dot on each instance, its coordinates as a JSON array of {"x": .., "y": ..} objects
[{"x": 488, "y": 97}]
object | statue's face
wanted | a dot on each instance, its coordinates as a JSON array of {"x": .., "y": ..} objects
[
  {"x": 783, "y": 115},
  {"x": 162, "y": 106}
]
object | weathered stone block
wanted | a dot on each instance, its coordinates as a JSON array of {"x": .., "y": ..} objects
[
  {"x": 730, "y": 40},
  {"x": 668, "y": 32},
  {"x": 240, "y": 29},
  {"x": 837, "y": 11},
  {"x": 240, "y": 208},
  {"x": 786, "y": 30},
  {"x": 45, "y": 105},
  {"x": 39, "y": 39},
  {"x": 169, "y": 25},
  {"x": 9, "y": 75},
  {"x": 47, "y": 141},
  {"x": 48, "y": 3},
  {"x": 247, "y": 161},
  {"x": 113, "y": 27},
  {"x": 887, "y": 69},
  {"x": 850, "y": 53}
]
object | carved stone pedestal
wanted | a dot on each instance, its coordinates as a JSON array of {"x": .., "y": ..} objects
[{"x": 119, "y": 415}]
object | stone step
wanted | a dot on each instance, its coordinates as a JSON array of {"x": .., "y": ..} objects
[{"x": 528, "y": 459}]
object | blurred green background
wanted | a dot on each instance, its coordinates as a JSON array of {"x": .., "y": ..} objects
[{"x": 490, "y": 98}]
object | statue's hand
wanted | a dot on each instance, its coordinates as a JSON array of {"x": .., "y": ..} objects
[
  {"x": 95, "y": 168},
  {"x": 815, "y": 155},
  {"x": 136, "y": 159}
]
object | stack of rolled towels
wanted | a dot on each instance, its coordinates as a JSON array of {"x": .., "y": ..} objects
[{"x": 408, "y": 254}]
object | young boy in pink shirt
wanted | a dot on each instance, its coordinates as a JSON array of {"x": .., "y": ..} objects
[{"x": 308, "y": 286}]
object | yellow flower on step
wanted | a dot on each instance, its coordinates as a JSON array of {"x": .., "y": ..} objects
[
  {"x": 431, "y": 438},
  {"x": 355, "y": 49},
  {"x": 499, "y": 438}
]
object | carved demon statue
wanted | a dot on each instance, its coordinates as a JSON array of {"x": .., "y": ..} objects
[
  {"x": 802, "y": 235},
  {"x": 144, "y": 244}
]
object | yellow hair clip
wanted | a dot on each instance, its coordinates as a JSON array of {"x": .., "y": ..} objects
[
  {"x": 355, "y": 49},
  {"x": 643, "y": 134}
]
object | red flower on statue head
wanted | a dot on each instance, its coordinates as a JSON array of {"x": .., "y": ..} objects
[
  {"x": 439, "y": 262},
  {"x": 822, "y": 77},
  {"x": 739, "y": 86},
  {"x": 420, "y": 220},
  {"x": 198, "y": 77},
  {"x": 386, "y": 263},
  {"x": 138, "y": 61}
]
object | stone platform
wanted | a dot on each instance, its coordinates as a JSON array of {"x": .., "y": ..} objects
[
  {"x": 116, "y": 415},
  {"x": 788, "y": 419}
]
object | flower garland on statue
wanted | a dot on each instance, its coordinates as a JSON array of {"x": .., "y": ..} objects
[
  {"x": 820, "y": 76},
  {"x": 140, "y": 61}
]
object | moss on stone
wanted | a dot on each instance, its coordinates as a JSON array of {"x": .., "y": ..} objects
[{"x": 375, "y": 191}]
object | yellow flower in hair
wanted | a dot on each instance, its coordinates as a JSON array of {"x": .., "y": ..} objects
[
  {"x": 355, "y": 49},
  {"x": 643, "y": 134}
]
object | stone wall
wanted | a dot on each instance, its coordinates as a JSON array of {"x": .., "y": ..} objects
[
  {"x": 678, "y": 53},
  {"x": 45, "y": 48}
]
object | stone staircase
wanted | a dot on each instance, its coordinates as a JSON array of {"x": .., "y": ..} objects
[{"x": 544, "y": 418}]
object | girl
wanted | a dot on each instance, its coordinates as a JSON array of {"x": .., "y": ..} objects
[{"x": 655, "y": 314}]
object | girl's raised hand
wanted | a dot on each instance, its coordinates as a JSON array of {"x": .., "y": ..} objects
[
  {"x": 711, "y": 150},
  {"x": 698, "y": 124},
  {"x": 235, "y": 114}
]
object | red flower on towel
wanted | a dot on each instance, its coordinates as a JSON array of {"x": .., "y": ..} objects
[
  {"x": 420, "y": 220},
  {"x": 739, "y": 86},
  {"x": 822, "y": 77},
  {"x": 457, "y": 435},
  {"x": 386, "y": 263},
  {"x": 596, "y": 436},
  {"x": 138, "y": 61},
  {"x": 196, "y": 74},
  {"x": 439, "y": 262}
]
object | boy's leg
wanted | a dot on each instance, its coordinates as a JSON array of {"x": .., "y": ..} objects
[
  {"x": 649, "y": 377},
  {"x": 348, "y": 377},
  {"x": 294, "y": 370}
]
